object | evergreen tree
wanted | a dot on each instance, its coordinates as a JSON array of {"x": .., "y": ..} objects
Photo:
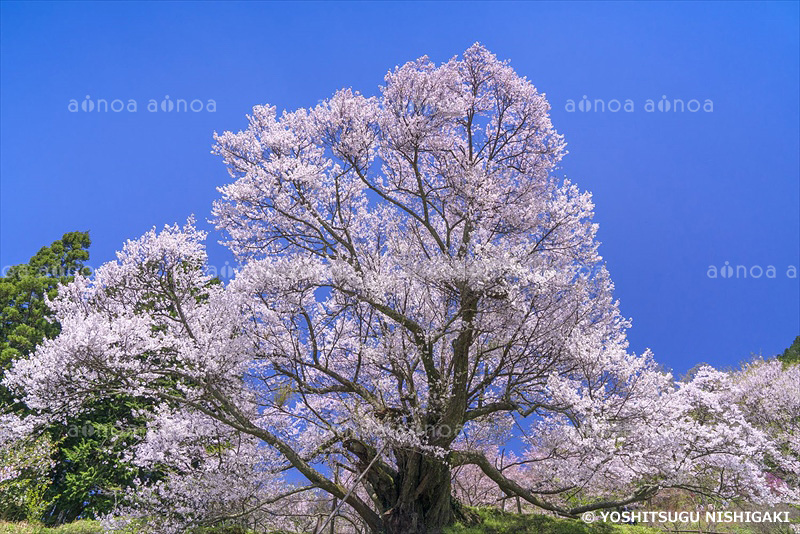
[
  {"x": 23, "y": 312},
  {"x": 792, "y": 354},
  {"x": 86, "y": 454}
]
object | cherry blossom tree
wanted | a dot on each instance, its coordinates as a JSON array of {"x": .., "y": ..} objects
[
  {"x": 417, "y": 284},
  {"x": 768, "y": 394}
]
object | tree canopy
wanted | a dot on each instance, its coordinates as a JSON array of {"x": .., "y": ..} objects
[{"x": 417, "y": 284}]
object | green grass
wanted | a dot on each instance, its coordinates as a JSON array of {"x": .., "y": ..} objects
[
  {"x": 493, "y": 523},
  {"x": 78, "y": 527},
  {"x": 496, "y": 522},
  {"x": 94, "y": 527}
]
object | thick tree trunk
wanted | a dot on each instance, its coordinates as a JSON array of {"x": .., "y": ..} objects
[
  {"x": 415, "y": 497},
  {"x": 423, "y": 502}
]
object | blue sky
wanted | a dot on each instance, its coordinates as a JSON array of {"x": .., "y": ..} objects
[{"x": 676, "y": 192}]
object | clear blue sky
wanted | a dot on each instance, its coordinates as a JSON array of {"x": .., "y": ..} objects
[{"x": 675, "y": 192}]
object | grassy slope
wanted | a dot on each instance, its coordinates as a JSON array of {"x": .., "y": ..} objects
[
  {"x": 78, "y": 527},
  {"x": 493, "y": 524},
  {"x": 496, "y": 522}
]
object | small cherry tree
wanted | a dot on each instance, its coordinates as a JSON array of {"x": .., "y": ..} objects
[{"x": 416, "y": 286}]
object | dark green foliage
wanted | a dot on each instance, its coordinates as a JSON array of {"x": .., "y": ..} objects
[
  {"x": 791, "y": 355},
  {"x": 23, "y": 312},
  {"x": 23, "y": 325},
  {"x": 90, "y": 465},
  {"x": 89, "y": 451}
]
